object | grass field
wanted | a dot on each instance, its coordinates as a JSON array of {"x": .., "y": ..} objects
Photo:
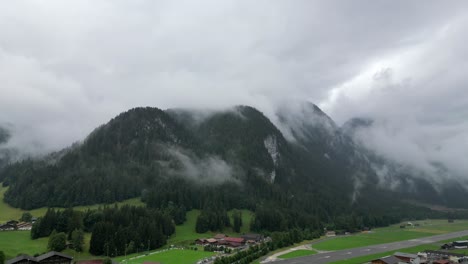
[
  {"x": 10, "y": 213},
  {"x": 298, "y": 253},
  {"x": 186, "y": 235},
  {"x": 174, "y": 256},
  {"x": 392, "y": 234},
  {"x": 13, "y": 243}
]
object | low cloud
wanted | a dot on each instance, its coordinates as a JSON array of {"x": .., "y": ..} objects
[{"x": 211, "y": 169}]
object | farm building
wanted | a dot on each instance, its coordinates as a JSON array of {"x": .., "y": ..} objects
[
  {"x": 252, "y": 237},
  {"x": 387, "y": 260},
  {"x": 407, "y": 257},
  {"x": 24, "y": 226},
  {"x": 460, "y": 244},
  {"x": 220, "y": 236},
  {"x": 48, "y": 258},
  {"x": 7, "y": 227}
]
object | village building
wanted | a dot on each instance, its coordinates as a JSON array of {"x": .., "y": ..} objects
[
  {"x": 408, "y": 258},
  {"x": 388, "y": 260},
  {"x": 7, "y": 227},
  {"x": 24, "y": 226},
  {"x": 47, "y": 258},
  {"x": 252, "y": 237},
  {"x": 220, "y": 236}
]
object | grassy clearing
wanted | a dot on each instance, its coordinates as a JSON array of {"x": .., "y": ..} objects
[
  {"x": 10, "y": 213},
  {"x": 13, "y": 243},
  {"x": 174, "y": 256},
  {"x": 392, "y": 234},
  {"x": 297, "y": 253},
  {"x": 185, "y": 234},
  {"x": 368, "y": 258}
]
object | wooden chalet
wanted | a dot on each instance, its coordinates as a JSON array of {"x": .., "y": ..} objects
[
  {"x": 51, "y": 257},
  {"x": 7, "y": 227},
  {"x": 387, "y": 260},
  {"x": 22, "y": 259},
  {"x": 252, "y": 237}
]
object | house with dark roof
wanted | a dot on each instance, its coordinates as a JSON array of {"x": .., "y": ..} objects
[
  {"x": 51, "y": 257},
  {"x": 252, "y": 237},
  {"x": 387, "y": 260},
  {"x": 22, "y": 259},
  {"x": 407, "y": 257}
]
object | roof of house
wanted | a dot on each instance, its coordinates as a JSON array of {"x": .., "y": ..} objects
[
  {"x": 234, "y": 239},
  {"x": 444, "y": 253},
  {"x": 388, "y": 260},
  {"x": 252, "y": 236},
  {"x": 19, "y": 258},
  {"x": 51, "y": 254},
  {"x": 441, "y": 261},
  {"x": 211, "y": 240},
  {"x": 405, "y": 255},
  {"x": 220, "y": 236}
]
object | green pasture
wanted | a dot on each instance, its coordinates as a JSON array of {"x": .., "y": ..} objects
[
  {"x": 185, "y": 234},
  {"x": 13, "y": 243},
  {"x": 171, "y": 256},
  {"x": 297, "y": 253},
  {"x": 10, "y": 213},
  {"x": 392, "y": 234}
]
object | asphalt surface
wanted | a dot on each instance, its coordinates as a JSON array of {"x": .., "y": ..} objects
[{"x": 332, "y": 256}]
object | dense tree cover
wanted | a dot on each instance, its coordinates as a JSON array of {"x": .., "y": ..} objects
[
  {"x": 130, "y": 229},
  {"x": 236, "y": 221},
  {"x": 57, "y": 241},
  {"x": 212, "y": 220},
  {"x": 318, "y": 179},
  {"x": 59, "y": 220},
  {"x": 77, "y": 240},
  {"x": 26, "y": 217},
  {"x": 115, "y": 230}
]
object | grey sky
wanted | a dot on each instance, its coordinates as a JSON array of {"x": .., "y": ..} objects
[{"x": 68, "y": 66}]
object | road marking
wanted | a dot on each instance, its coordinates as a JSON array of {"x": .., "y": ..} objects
[{"x": 367, "y": 249}]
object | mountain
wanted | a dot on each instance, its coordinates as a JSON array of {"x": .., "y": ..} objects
[
  {"x": 302, "y": 171},
  {"x": 408, "y": 182}
]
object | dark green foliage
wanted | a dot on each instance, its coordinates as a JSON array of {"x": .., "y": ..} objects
[
  {"x": 318, "y": 178},
  {"x": 2, "y": 257},
  {"x": 26, "y": 217},
  {"x": 212, "y": 220},
  {"x": 236, "y": 221},
  {"x": 107, "y": 261},
  {"x": 77, "y": 239},
  {"x": 129, "y": 229},
  {"x": 57, "y": 241}
]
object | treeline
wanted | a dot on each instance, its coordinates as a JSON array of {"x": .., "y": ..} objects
[
  {"x": 278, "y": 240},
  {"x": 115, "y": 230}
]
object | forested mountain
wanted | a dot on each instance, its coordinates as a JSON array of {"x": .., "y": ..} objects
[
  {"x": 5, "y": 153},
  {"x": 408, "y": 182},
  {"x": 306, "y": 173}
]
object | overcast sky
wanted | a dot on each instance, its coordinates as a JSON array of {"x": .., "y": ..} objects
[{"x": 68, "y": 66}]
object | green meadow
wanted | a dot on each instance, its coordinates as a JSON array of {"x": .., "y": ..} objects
[
  {"x": 297, "y": 253},
  {"x": 392, "y": 234},
  {"x": 171, "y": 256},
  {"x": 10, "y": 213},
  {"x": 185, "y": 234}
]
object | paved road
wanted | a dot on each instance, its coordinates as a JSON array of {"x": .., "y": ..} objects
[{"x": 322, "y": 258}]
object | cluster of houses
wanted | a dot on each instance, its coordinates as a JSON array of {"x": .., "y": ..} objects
[
  {"x": 51, "y": 257},
  {"x": 426, "y": 257},
  {"x": 233, "y": 242},
  {"x": 15, "y": 225}
]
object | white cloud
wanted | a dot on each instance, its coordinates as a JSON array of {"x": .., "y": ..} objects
[{"x": 66, "y": 67}]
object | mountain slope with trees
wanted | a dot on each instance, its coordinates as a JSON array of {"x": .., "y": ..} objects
[{"x": 177, "y": 160}]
